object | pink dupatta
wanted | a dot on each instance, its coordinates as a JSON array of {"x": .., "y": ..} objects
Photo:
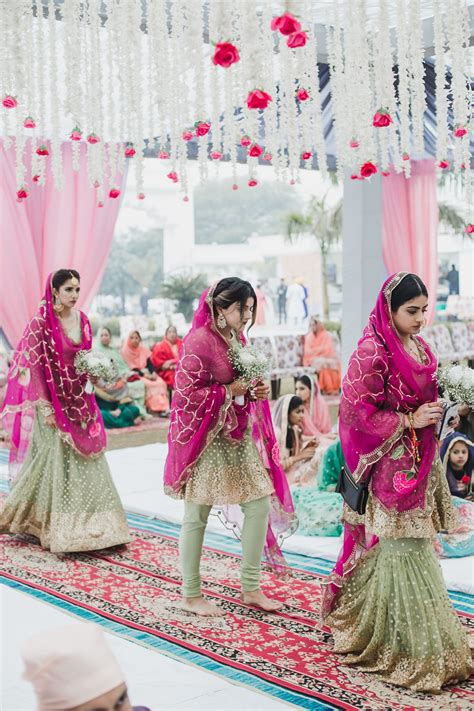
[
  {"x": 203, "y": 408},
  {"x": 42, "y": 373},
  {"x": 382, "y": 383}
]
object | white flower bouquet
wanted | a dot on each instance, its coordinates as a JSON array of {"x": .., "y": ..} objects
[
  {"x": 96, "y": 365},
  {"x": 250, "y": 365},
  {"x": 457, "y": 382}
]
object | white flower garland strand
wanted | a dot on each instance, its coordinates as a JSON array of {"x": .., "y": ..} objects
[
  {"x": 417, "y": 74},
  {"x": 441, "y": 91}
]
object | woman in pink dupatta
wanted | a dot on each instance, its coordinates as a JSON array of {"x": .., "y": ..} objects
[
  {"x": 386, "y": 600},
  {"x": 64, "y": 494},
  {"x": 138, "y": 358},
  {"x": 222, "y": 453}
]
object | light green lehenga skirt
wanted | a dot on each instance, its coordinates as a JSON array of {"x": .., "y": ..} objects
[
  {"x": 393, "y": 617},
  {"x": 67, "y": 501}
]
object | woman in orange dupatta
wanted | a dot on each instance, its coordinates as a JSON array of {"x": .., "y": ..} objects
[
  {"x": 319, "y": 352},
  {"x": 137, "y": 356},
  {"x": 165, "y": 356}
]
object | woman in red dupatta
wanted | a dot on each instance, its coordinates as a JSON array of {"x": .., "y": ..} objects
[
  {"x": 386, "y": 601},
  {"x": 165, "y": 356},
  {"x": 224, "y": 454},
  {"x": 64, "y": 494}
]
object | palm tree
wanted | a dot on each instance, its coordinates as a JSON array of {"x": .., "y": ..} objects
[
  {"x": 185, "y": 289},
  {"x": 325, "y": 225}
]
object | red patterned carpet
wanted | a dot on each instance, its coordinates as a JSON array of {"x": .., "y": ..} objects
[{"x": 135, "y": 590}]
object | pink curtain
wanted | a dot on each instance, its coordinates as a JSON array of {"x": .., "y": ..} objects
[
  {"x": 49, "y": 230},
  {"x": 410, "y": 225}
]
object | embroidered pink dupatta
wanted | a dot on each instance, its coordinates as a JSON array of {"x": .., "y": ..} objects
[
  {"x": 43, "y": 373},
  {"x": 382, "y": 383},
  {"x": 202, "y": 408}
]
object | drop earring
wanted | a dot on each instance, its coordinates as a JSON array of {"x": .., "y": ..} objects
[
  {"x": 221, "y": 322},
  {"x": 58, "y": 306}
]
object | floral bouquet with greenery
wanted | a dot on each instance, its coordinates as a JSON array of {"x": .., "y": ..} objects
[
  {"x": 95, "y": 365},
  {"x": 250, "y": 365},
  {"x": 457, "y": 382}
]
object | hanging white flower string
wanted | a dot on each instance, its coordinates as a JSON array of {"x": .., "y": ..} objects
[{"x": 417, "y": 73}]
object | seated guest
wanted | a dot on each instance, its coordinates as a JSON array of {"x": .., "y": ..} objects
[
  {"x": 320, "y": 353},
  {"x": 165, "y": 356},
  {"x": 118, "y": 415},
  {"x": 317, "y": 420},
  {"x": 71, "y": 668},
  {"x": 128, "y": 388},
  {"x": 137, "y": 357}
]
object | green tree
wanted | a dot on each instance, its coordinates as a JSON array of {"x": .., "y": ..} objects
[
  {"x": 325, "y": 225},
  {"x": 184, "y": 289}
]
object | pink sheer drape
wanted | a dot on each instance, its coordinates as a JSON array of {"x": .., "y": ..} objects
[
  {"x": 50, "y": 229},
  {"x": 410, "y": 225}
]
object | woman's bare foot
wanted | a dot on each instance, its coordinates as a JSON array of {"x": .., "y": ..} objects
[
  {"x": 200, "y": 606},
  {"x": 259, "y": 599}
]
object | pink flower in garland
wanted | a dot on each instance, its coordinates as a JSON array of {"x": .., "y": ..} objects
[
  {"x": 469, "y": 230},
  {"x": 173, "y": 176},
  {"x": 443, "y": 164},
  {"x": 382, "y": 118},
  {"x": 267, "y": 156},
  {"x": 368, "y": 169},
  {"x": 163, "y": 155},
  {"x": 286, "y": 24},
  {"x": 96, "y": 184},
  {"x": 36, "y": 178},
  {"x": 354, "y": 176},
  {"x": 100, "y": 204},
  {"x": 306, "y": 155},
  {"x": 141, "y": 196},
  {"x": 114, "y": 193},
  {"x": 9, "y": 102},
  {"x": 186, "y": 198},
  {"x": 130, "y": 151},
  {"x": 216, "y": 155},
  {"x": 406, "y": 156},
  {"x": 76, "y": 134},
  {"x": 235, "y": 186},
  {"x": 258, "y": 99},
  {"x": 22, "y": 193},
  {"x": 93, "y": 138},
  {"x": 302, "y": 94},
  {"x": 245, "y": 141},
  {"x": 252, "y": 183},
  {"x": 255, "y": 150},
  {"x": 354, "y": 143},
  {"x": 460, "y": 131},
  {"x": 202, "y": 128},
  {"x": 298, "y": 39},
  {"x": 187, "y": 135},
  {"x": 29, "y": 122},
  {"x": 42, "y": 150},
  {"x": 225, "y": 54}
]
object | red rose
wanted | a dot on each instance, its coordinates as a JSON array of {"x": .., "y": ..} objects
[
  {"x": 114, "y": 193},
  {"x": 443, "y": 164},
  {"x": 202, "y": 128},
  {"x": 368, "y": 169},
  {"x": 298, "y": 39},
  {"x": 466, "y": 479},
  {"x": 258, "y": 99},
  {"x": 286, "y": 24},
  {"x": 460, "y": 131},
  {"x": 225, "y": 55},
  {"x": 354, "y": 143},
  {"x": 406, "y": 156},
  {"x": 93, "y": 138},
  {"x": 382, "y": 118},
  {"x": 173, "y": 176},
  {"x": 29, "y": 122},
  {"x": 76, "y": 134},
  {"x": 187, "y": 136},
  {"x": 255, "y": 151},
  {"x": 306, "y": 155},
  {"x": 21, "y": 193},
  {"x": 302, "y": 95},
  {"x": 216, "y": 155},
  {"x": 164, "y": 155},
  {"x": 469, "y": 229},
  {"x": 9, "y": 102},
  {"x": 252, "y": 183},
  {"x": 141, "y": 196},
  {"x": 354, "y": 176},
  {"x": 36, "y": 178},
  {"x": 245, "y": 141},
  {"x": 130, "y": 151},
  {"x": 267, "y": 156},
  {"x": 42, "y": 150}
]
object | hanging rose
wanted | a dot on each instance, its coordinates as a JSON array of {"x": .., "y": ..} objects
[
  {"x": 354, "y": 143},
  {"x": 382, "y": 118},
  {"x": 302, "y": 94},
  {"x": 93, "y": 138},
  {"x": 306, "y": 155},
  {"x": 252, "y": 183},
  {"x": 298, "y": 39},
  {"x": 368, "y": 169},
  {"x": 36, "y": 178},
  {"x": 76, "y": 134},
  {"x": 258, "y": 99},
  {"x": 245, "y": 141},
  {"x": 163, "y": 155},
  {"x": 22, "y": 193},
  {"x": 225, "y": 54},
  {"x": 354, "y": 176},
  {"x": 202, "y": 128},
  {"x": 255, "y": 150},
  {"x": 130, "y": 151},
  {"x": 216, "y": 155},
  {"x": 29, "y": 122},
  {"x": 114, "y": 193},
  {"x": 141, "y": 196},
  {"x": 460, "y": 131},
  {"x": 443, "y": 164},
  {"x": 267, "y": 156},
  {"x": 9, "y": 102},
  {"x": 469, "y": 230},
  {"x": 187, "y": 135},
  {"x": 173, "y": 176},
  {"x": 42, "y": 150},
  {"x": 406, "y": 156},
  {"x": 286, "y": 24}
]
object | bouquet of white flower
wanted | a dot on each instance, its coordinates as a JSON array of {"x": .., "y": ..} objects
[
  {"x": 457, "y": 382},
  {"x": 250, "y": 364},
  {"x": 97, "y": 365}
]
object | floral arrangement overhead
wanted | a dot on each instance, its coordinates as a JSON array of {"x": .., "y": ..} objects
[{"x": 121, "y": 77}]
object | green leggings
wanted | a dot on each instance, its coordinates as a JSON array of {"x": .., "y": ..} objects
[{"x": 253, "y": 540}]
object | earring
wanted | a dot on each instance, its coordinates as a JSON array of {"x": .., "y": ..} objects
[
  {"x": 58, "y": 306},
  {"x": 221, "y": 322}
]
